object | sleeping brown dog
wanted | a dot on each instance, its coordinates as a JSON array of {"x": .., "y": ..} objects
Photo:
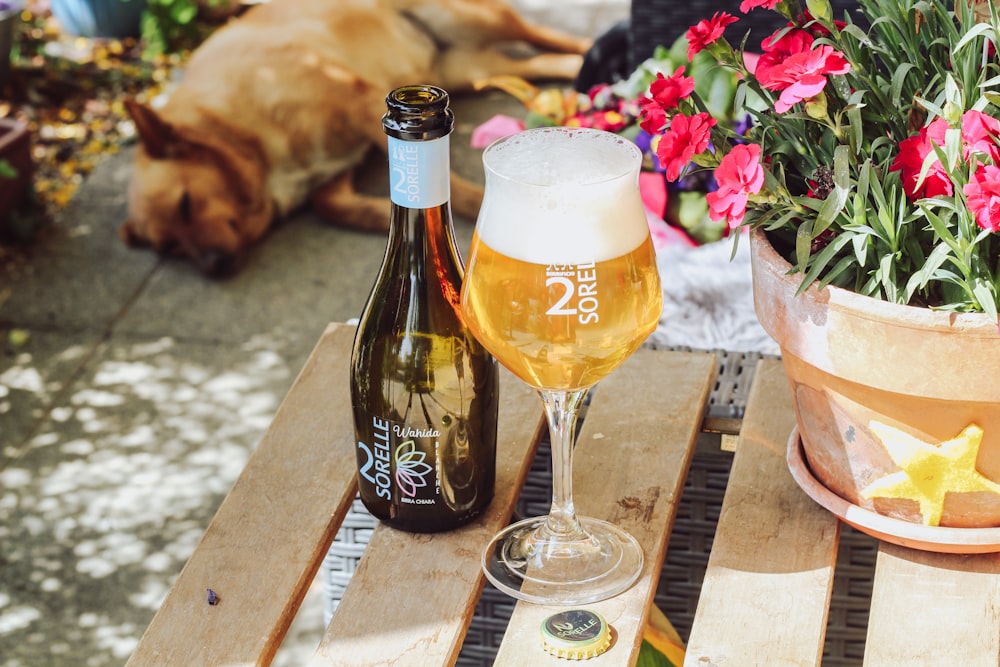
[{"x": 278, "y": 107}]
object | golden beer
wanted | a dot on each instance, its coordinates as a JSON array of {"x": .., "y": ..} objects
[
  {"x": 562, "y": 326},
  {"x": 561, "y": 287}
]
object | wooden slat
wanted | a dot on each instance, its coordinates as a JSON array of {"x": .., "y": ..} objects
[
  {"x": 630, "y": 463},
  {"x": 767, "y": 587},
  {"x": 412, "y": 597},
  {"x": 262, "y": 550},
  {"x": 934, "y": 609}
]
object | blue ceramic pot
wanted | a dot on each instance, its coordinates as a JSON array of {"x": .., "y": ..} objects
[{"x": 99, "y": 18}]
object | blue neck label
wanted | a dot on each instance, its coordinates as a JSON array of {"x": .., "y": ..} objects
[{"x": 419, "y": 172}]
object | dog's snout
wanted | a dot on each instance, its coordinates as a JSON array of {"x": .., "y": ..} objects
[{"x": 217, "y": 264}]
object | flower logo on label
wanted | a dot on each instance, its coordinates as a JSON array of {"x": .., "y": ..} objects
[{"x": 411, "y": 468}]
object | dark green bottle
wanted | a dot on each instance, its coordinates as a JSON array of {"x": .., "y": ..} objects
[{"x": 424, "y": 391}]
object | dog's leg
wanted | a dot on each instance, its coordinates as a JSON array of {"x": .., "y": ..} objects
[
  {"x": 461, "y": 69},
  {"x": 548, "y": 39},
  {"x": 339, "y": 203},
  {"x": 475, "y": 23}
]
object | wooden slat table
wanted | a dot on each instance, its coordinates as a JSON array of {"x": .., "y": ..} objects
[{"x": 766, "y": 593}]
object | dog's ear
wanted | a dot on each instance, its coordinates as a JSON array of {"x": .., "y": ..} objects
[{"x": 154, "y": 132}]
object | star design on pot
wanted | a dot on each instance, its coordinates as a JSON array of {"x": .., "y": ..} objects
[{"x": 929, "y": 472}]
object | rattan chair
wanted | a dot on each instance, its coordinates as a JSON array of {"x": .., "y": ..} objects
[{"x": 687, "y": 553}]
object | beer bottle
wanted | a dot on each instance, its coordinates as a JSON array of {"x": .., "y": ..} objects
[{"x": 424, "y": 391}]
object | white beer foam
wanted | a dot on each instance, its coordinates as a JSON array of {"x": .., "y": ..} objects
[{"x": 562, "y": 195}]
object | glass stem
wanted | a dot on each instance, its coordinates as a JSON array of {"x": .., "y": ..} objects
[{"x": 561, "y": 410}]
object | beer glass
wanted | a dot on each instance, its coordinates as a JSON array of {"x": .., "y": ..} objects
[{"x": 561, "y": 287}]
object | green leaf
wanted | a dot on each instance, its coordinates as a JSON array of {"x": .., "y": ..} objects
[
  {"x": 860, "y": 243},
  {"x": 183, "y": 12},
  {"x": 898, "y": 79},
  {"x": 803, "y": 245},
  {"x": 824, "y": 257},
  {"x": 985, "y": 298},
  {"x": 979, "y": 29},
  {"x": 939, "y": 227},
  {"x": 837, "y": 198},
  {"x": 855, "y": 127},
  {"x": 919, "y": 280},
  {"x": 886, "y": 275},
  {"x": 831, "y": 276},
  {"x": 650, "y": 657}
]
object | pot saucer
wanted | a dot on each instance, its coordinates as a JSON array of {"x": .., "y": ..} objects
[{"x": 904, "y": 533}]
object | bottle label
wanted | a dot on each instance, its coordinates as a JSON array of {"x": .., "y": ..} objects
[
  {"x": 400, "y": 462},
  {"x": 419, "y": 172}
]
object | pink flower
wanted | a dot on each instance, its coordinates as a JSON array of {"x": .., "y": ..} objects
[
  {"x": 802, "y": 76},
  {"x": 665, "y": 94},
  {"x": 983, "y": 194},
  {"x": 775, "y": 52},
  {"x": 686, "y": 137},
  {"x": 747, "y": 5},
  {"x": 910, "y": 161},
  {"x": 707, "y": 31},
  {"x": 739, "y": 175},
  {"x": 979, "y": 135}
]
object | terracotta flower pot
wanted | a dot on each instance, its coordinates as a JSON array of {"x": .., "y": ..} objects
[{"x": 898, "y": 409}]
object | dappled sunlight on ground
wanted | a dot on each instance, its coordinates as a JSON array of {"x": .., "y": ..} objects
[{"x": 104, "y": 505}]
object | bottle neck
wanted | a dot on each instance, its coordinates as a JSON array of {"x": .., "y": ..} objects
[{"x": 419, "y": 188}]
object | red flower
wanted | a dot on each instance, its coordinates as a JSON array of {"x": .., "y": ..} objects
[
  {"x": 669, "y": 91},
  {"x": 747, "y": 5},
  {"x": 910, "y": 161},
  {"x": 777, "y": 51},
  {"x": 665, "y": 94},
  {"x": 983, "y": 194},
  {"x": 739, "y": 175},
  {"x": 652, "y": 118},
  {"x": 803, "y": 75},
  {"x": 686, "y": 137},
  {"x": 707, "y": 31}
]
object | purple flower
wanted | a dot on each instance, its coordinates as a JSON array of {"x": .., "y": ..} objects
[{"x": 742, "y": 126}]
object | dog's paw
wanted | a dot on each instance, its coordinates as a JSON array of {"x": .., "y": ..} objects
[{"x": 129, "y": 236}]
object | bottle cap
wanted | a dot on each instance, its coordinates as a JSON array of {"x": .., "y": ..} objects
[{"x": 576, "y": 634}]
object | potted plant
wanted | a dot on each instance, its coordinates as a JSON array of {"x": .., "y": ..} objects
[
  {"x": 10, "y": 14},
  {"x": 18, "y": 210},
  {"x": 870, "y": 178}
]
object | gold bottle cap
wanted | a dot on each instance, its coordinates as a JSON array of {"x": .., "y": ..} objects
[{"x": 576, "y": 634}]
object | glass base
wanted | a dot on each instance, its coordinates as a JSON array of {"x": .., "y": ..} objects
[{"x": 523, "y": 563}]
